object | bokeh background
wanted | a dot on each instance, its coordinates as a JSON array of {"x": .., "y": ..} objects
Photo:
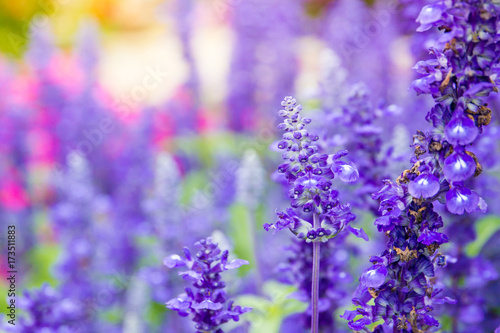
[{"x": 132, "y": 128}]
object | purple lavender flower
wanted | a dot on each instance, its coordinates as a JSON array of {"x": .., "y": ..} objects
[
  {"x": 47, "y": 310},
  {"x": 405, "y": 292},
  {"x": 206, "y": 304},
  {"x": 73, "y": 219},
  {"x": 362, "y": 135},
  {"x": 470, "y": 279},
  {"x": 310, "y": 175},
  {"x": 316, "y": 214},
  {"x": 162, "y": 207},
  {"x": 459, "y": 79}
]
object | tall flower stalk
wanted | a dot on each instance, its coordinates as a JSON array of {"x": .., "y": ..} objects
[
  {"x": 333, "y": 278},
  {"x": 316, "y": 214},
  {"x": 463, "y": 72}
]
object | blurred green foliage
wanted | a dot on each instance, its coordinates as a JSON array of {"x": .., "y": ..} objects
[
  {"x": 446, "y": 323},
  {"x": 269, "y": 312},
  {"x": 192, "y": 183},
  {"x": 485, "y": 228},
  {"x": 41, "y": 259},
  {"x": 156, "y": 313},
  {"x": 113, "y": 315},
  {"x": 16, "y": 17},
  {"x": 241, "y": 233},
  {"x": 210, "y": 147}
]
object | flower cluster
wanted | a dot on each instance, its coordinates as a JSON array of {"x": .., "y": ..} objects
[
  {"x": 206, "y": 303},
  {"x": 47, "y": 310},
  {"x": 362, "y": 134},
  {"x": 469, "y": 277},
  {"x": 310, "y": 174},
  {"x": 102, "y": 189},
  {"x": 459, "y": 78},
  {"x": 400, "y": 279},
  {"x": 73, "y": 217}
]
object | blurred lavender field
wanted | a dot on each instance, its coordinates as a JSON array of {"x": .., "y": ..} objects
[{"x": 130, "y": 130}]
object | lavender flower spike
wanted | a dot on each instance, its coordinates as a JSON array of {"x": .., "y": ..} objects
[
  {"x": 402, "y": 280},
  {"x": 206, "y": 303},
  {"x": 310, "y": 174},
  {"x": 316, "y": 214}
]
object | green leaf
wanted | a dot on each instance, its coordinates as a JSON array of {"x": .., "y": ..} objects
[
  {"x": 312, "y": 104},
  {"x": 260, "y": 218},
  {"x": 4, "y": 288},
  {"x": 42, "y": 258},
  {"x": 485, "y": 228},
  {"x": 206, "y": 147},
  {"x": 193, "y": 183},
  {"x": 156, "y": 313},
  {"x": 113, "y": 315},
  {"x": 268, "y": 312},
  {"x": 446, "y": 323},
  {"x": 241, "y": 232}
]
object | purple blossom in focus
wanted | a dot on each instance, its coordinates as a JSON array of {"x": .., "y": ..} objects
[
  {"x": 458, "y": 79},
  {"x": 205, "y": 302},
  {"x": 310, "y": 174}
]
